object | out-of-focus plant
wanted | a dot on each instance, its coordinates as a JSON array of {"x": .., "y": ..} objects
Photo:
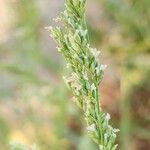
[
  {"x": 87, "y": 73},
  {"x": 19, "y": 146},
  {"x": 130, "y": 20}
]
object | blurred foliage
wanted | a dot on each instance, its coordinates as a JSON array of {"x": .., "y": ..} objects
[
  {"x": 127, "y": 26},
  {"x": 35, "y": 106}
]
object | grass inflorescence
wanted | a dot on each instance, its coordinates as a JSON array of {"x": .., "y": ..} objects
[{"x": 87, "y": 72}]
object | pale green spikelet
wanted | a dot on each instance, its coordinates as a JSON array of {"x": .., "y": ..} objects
[{"x": 87, "y": 72}]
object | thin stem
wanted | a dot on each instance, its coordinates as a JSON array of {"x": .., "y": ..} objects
[
  {"x": 85, "y": 24},
  {"x": 98, "y": 117}
]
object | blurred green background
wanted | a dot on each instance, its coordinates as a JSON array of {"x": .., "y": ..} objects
[{"x": 36, "y": 106}]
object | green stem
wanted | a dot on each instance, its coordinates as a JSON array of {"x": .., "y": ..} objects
[
  {"x": 98, "y": 117},
  {"x": 85, "y": 25}
]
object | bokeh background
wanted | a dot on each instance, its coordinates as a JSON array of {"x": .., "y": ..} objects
[{"x": 36, "y": 106}]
